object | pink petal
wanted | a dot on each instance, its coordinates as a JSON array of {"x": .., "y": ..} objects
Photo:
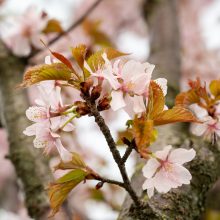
[
  {"x": 181, "y": 174},
  {"x": 30, "y": 130},
  {"x": 163, "y": 153},
  {"x": 198, "y": 129},
  {"x": 36, "y": 114},
  {"x": 150, "y": 168},
  {"x": 181, "y": 156},
  {"x": 117, "y": 101},
  {"x": 64, "y": 153},
  {"x": 21, "y": 46}
]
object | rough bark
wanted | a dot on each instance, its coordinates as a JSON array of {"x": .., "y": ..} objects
[
  {"x": 188, "y": 201},
  {"x": 29, "y": 165}
]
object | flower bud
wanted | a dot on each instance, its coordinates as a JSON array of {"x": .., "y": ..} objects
[
  {"x": 99, "y": 185},
  {"x": 81, "y": 108},
  {"x": 104, "y": 103},
  {"x": 96, "y": 91}
]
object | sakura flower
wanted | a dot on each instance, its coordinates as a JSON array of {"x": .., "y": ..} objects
[
  {"x": 165, "y": 171},
  {"x": 210, "y": 128},
  {"x": 108, "y": 72},
  {"x": 24, "y": 32}
]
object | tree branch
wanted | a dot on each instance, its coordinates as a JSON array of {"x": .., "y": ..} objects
[
  {"x": 127, "y": 153},
  {"x": 112, "y": 146},
  {"x": 29, "y": 166}
]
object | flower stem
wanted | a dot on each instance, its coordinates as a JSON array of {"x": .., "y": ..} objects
[{"x": 112, "y": 146}]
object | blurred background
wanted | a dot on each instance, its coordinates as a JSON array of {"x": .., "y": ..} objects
[{"x": 122, "y": 24}]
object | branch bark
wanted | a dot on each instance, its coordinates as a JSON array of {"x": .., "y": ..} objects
[
  {"x": 29, "y": 165},
  {"x": 112, "y": 146},
  {"x": 188, "y": 201}
]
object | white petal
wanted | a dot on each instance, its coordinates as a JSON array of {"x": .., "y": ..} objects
[
  {"x": 139, "y": 106},
  {"x": 163, "y": 153},
  {"x": 30, "y": 130},
  {"x": 163, "y": 182},
  {"x": 181, "y": 174},
  {"x": 36, "y": 114},
  {"x": 150, "y": 168},
  {"x": 117, "y": 101},
  {"x": 199, "y": 111},
  {"x": 64, "y": 153},
  {"x": 47, "y": 60},
  {"x": 181, "y": 156},
  {"x": 198, "y": 129},
  {"x": 150, "y": 192},
  {"x": 21, "y": 46},
  {"x": 162, "y": 82}
]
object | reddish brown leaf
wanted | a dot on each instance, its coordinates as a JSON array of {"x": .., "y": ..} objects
[
  {"x": 63, "y": 59},
  {"x": 156, "y": 100},
  {"x": 142, "y": 131},
  {"x": 176, "y": 114}
]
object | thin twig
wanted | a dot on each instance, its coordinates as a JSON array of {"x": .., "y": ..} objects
[
  {"x": 114, "y": 182},
  {"x": 72, "y": 27},
  {"x": 112, "y": 146},
  {"x": 127, "y": 153}
]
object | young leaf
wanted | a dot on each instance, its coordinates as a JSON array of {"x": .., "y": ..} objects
[
  {"x": 63, "y": 59},
  {"x": 176, "y": 114},
  {"x": 142, "y": 131},
  {"x": 95, "y": 61},
  {"x": 59, "y": 190},
  {"x": 215, "y": 88},
  {"x": 187, "y": 98},
  {"x": 76, "y": 163},
  {"x": 54, "y": 71},
  {"x": 79, "y": 54},
  {"x": 53, "y": 26},
  {"x": 156, "y": 100}
]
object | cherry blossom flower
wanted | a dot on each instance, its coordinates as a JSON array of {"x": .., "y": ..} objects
[
  {"x": 48, "y": 118},
  {"x": 209, "y": 127},
  {"x": 21, "y": 34},
  {"x": 165, "y": 171}
]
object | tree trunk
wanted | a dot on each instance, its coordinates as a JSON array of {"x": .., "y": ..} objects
[
  {"x": 29, "y": 165},
  {"x": 186, "y": 202}
]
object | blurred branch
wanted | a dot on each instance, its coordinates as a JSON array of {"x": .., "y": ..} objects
[
  {"x": 29, "y": 166},
  {"x": 72, "y": 27}
]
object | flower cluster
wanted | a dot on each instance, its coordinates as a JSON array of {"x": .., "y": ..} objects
[
  {"x": 49, "y": 116},
  {"x": 104, "y": 81},
  {"x": 205, "y": 103},
  {"x": 23, "y": 33}
]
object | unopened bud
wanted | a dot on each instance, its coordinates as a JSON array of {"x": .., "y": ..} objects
[
  {"x": 99, "y": 185},
  {"x": 104, "y": 103},
  {"x": 96, "y": 91},
  {"x": 81, "y": 108},
  {"x": 85, "y": 86}
]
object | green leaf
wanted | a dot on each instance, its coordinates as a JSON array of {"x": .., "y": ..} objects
[
  {"x": 79, "y": 54},
  {"x": 215, "y": 88},
  {"x": 76, "y": 163},
  {"x": 59, "y": 190},
  {"x": 54, "y": 71}
]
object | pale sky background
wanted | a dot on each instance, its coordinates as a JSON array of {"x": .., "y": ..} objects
[{"x": 64, "y": 11}]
